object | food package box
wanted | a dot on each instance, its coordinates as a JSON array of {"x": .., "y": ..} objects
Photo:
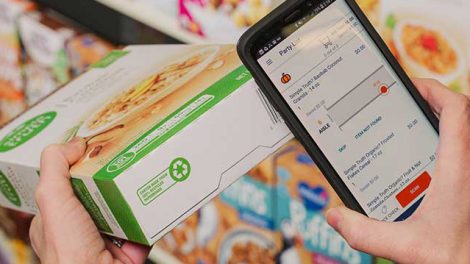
[
  {"x": 235, "y": 227},
  {"x": 84, "y": 50},
  {"x": 44, "y": 36},
  {"x": 430, "y": 38},
  {"x": 216, "y": 234},
  {"x": 167, "y": 128},
  {"x": 11, "y": 81},
  {"x": 222, "y": 20},
  {"x": 276, "y": 209},
  {"x": 303, "y": 196}
]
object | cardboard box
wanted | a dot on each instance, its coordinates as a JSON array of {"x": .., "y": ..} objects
[
  {"x": 168, "y": 128},
  {"x": 216, "y": 234},
  {"x": 11, "y": 80},
  {"x": 303, "y": 196}
]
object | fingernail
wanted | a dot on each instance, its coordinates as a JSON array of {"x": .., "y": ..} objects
[{"x": 333, "y": 217}]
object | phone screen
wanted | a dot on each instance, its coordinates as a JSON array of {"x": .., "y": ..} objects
[{"x": 355, "y": 108}]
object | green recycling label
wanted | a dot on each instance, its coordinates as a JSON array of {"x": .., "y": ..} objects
[
  {"x": 7, "y": 189},
  {"x": 26, "y": 131},
  {"x": 178, "y": 171}
]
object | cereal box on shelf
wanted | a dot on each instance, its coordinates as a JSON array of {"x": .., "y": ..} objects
[
  {"x": 303, "y": 196},
  {"x": 430, "y": 38},
  {"x": 235, "y": 227},
  {"x": 246, "y": 231},
  {"x": 217, "y": 234},
  {"x": 164, "y": 130}
]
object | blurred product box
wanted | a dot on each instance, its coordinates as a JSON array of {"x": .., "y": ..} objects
[
  {"x": 56, "y": 50},
  {"x": 165, "y": 133},
  {"x": 303, "y": 195},
  {"x": 40, "y": 51},
  {"x": 430, "y": 38},
  {"x": 11, "y": 80},
  {"x": 222, "y": 20},
  {"x": 84, "y": 50},
  {"x": 235, "y": 227},
  {"x": 217, "y": 234},
  {"x": 273, "y": 214},
  {"x": 47, "y": 66}
]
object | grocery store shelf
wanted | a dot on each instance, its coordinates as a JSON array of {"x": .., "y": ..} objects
[
  {"x": 158, "y": 256},
  {"x": 154, "y": 18}
]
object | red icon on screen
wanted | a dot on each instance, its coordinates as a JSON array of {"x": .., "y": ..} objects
[
  {"x": 286, "y": 78},
  {"x": 384, "y": 90}
]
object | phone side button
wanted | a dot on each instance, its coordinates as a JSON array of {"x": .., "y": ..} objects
[{"x": 414, "y": 189}]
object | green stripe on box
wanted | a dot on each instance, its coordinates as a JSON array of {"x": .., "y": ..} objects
[
  {"x": 8, "y": 190},
  {"x": 174, "y": 123},
  {"x": 87, "y": 200},
  {"x": 121, "y": 211},
  {"x": 110, "y": 58},
  {"x": 382, "y": 261}
]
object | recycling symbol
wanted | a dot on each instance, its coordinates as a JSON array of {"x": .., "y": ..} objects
[{"x": 179, "y": 169}]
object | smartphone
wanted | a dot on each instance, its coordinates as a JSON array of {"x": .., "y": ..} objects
[{"x": 345, "y": 97}]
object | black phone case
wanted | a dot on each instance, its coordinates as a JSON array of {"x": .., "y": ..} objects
[{"x": 244, "y": 48}]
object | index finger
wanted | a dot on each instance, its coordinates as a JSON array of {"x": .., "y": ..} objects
[{"x": 54, "y": 181}]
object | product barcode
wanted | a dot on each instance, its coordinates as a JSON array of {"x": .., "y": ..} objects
[{"x": 272, "y": 113}]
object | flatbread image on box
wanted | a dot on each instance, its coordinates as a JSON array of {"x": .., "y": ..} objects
[{"x": 122, "y": 119}]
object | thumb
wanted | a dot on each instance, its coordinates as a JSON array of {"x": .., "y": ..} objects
[
  {"x": 435, "y": 93},
  {"x": 56, "y": 159},
  {"x": 383, "y": 239}
]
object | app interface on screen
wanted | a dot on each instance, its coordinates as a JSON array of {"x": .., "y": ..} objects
[{"x": 355, "y": 108}]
